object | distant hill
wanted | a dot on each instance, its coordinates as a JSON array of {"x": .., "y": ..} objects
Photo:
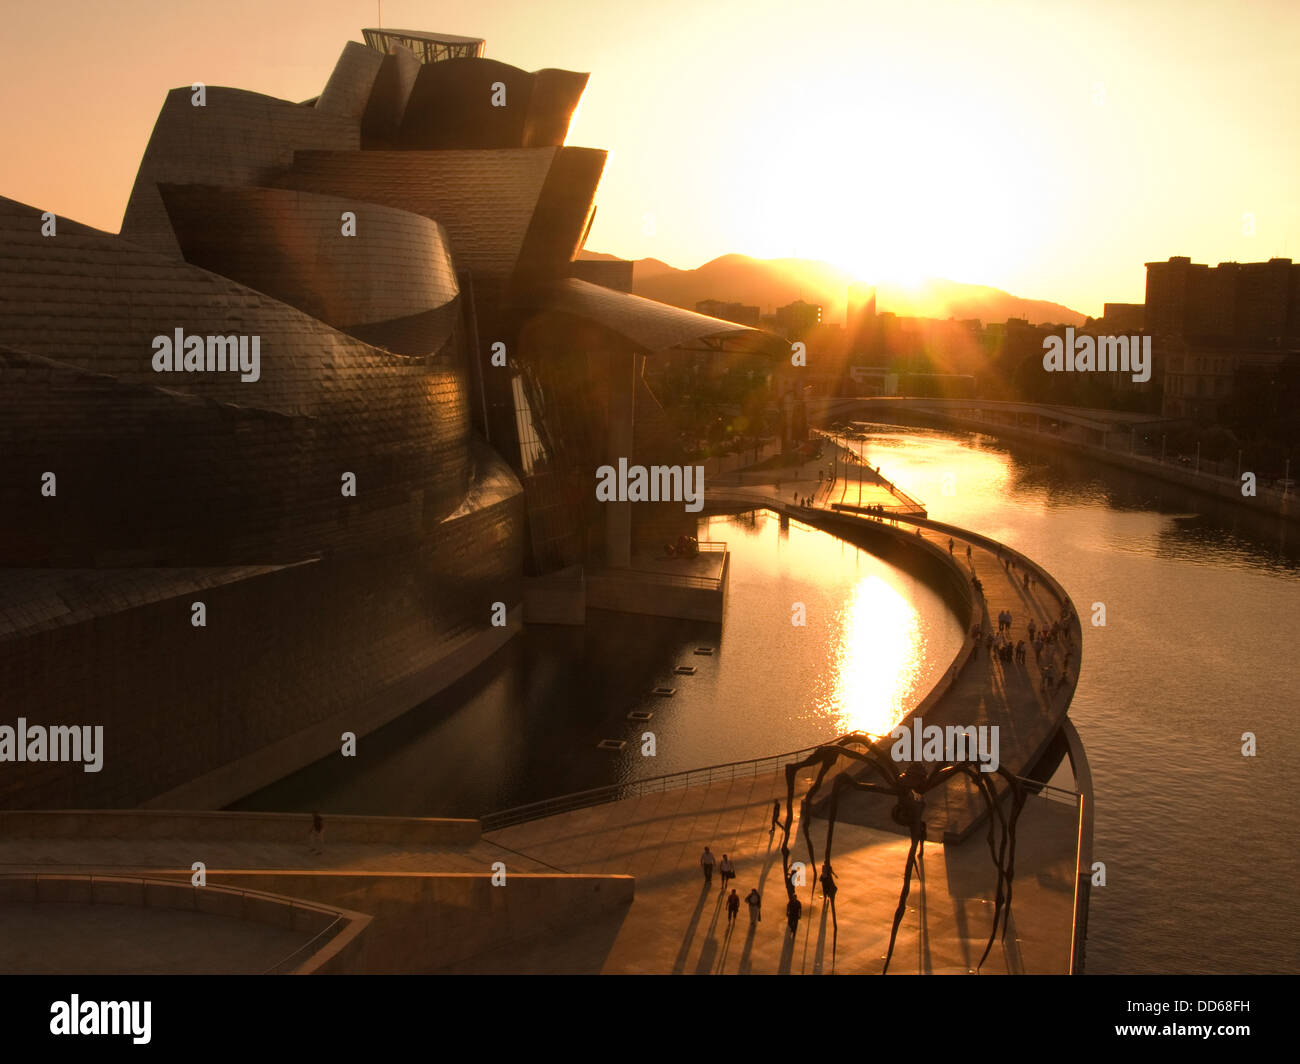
[{"x": 770, "y": 283}]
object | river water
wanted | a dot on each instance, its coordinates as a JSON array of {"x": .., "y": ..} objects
[{"x": 1200, "y": 603}]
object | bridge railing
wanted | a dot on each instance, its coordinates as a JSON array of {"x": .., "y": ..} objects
[
  {"x": 733, "y": 770},
  {"x": 637, "y": 788}
]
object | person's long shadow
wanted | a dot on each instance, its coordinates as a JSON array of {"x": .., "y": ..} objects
[
  {"x": 787, "y": 951},
  {"x": 679, "y": 964},
  {"x": 819, "y": 954},
  {"x": 710, "y": 948},
  {"x": 746, "y": 966},
  {"x": 726, "y": 946}
]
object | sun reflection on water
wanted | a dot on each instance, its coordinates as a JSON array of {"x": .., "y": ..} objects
[{"x": 878, "y": 658}]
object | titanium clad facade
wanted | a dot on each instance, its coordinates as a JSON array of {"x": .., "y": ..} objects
[
  {"x": 352, "y": 83},
  {"x": 482, "y": 103},
  {"x": 395, "y": 265},
  {"x": 332, "y": 504},
  {"x": 235, "y": 138}
]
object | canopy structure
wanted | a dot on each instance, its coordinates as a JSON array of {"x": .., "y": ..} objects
[
  {"x": 646, "y": 325},
  {"x": 428, "y": 47}
]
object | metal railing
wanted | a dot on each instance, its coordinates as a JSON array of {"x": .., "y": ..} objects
[
  {"x": 292, "y": 961},
  {"x": 616, "y": 792},
  {"x": 711, "y": 583},
  {"x": 324, "y": 935}
]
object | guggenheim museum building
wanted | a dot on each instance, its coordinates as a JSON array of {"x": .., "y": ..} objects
[{"x": 281, "y": 457}]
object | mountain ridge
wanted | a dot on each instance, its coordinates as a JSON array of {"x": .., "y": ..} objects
[{"x": 768, "y": 283}]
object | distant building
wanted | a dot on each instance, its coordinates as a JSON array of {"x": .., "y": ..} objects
[
  {"x": 740, "y": 313},
  {"x": 1210, "y": 323},
  {"x": 608, "y": 273},
  {"x": 797, "y": 319},
  {"x": 1122, "y": 317}
]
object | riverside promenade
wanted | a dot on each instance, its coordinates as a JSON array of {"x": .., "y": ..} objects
[
  {"x": 676, "y": 924},
  {"x": 611, "y": 883},
  {"x": 978, "y": 689}
]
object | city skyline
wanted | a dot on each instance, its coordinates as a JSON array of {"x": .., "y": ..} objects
[{"x": 894, "y": 148}]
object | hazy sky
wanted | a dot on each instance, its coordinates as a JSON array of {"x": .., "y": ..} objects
[{"x": 1044, "y": 147}]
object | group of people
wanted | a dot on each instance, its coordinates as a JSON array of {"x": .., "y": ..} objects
[
  {"x": 1000, "y": 646},
  {"x": 754, "y": 900},
  {"x": 727, "y": 870}
]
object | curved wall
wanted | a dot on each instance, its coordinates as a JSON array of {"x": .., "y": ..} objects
[
  {"x": 486, "y": 200},
  {"x": 291, "y": 246},
  {"x": 289, "y": 659},
  {"x": 203, "y": 468},
  {"x": 352, "y": 82},
  {"x": 236, "y": 138},
  {"x": 452, "y": 106}
]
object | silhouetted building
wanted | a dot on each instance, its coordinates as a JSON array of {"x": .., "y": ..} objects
[
  {"x": 795, "y": 320},
  {"x": 1210, "y": 323},
  {"x": 608, "y": 273},
  {"x": 278, "y": 456},
  {"x": 1122, "y": 317},
  {"x": 737, "y": 312}
]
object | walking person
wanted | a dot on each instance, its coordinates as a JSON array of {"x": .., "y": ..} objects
[
  {"x": 828, "y": 881},
  {"x": 728, "y": 871},
  {"x": 951, "y": 544},
  {"x": 317, "y": 837},
  {"x": 706, "y": 862},
  {"x": 733, "y": 907},
  {"x": 792, "y": 913},
  {"x": 776, "y": 817},
  {"x": 755, "y": 902}
]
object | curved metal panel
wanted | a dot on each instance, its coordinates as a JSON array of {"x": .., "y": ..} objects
[
  {"x": 556, "y": 94},
  {"x": 235, "y": 138},
  {"x": 254, "y": 478},
  {"x": 352, "y": 81},
  {"x": 344, "y": 262},
  {"x": 392, "y": 89},
  {"x": 646, "y": 325}
]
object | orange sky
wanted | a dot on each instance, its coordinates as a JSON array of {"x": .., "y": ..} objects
[{"x": 1045, "y": 148}]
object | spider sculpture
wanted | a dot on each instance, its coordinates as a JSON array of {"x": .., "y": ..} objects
[{"x": 908, "y": 784}]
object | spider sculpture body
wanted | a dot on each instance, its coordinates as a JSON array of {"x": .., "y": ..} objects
[{"x": 907, "y": 783}]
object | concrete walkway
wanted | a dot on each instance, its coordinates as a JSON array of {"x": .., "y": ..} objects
[
  {"x": 983, "y": 690},
  {"x": 677, "y": 925}
]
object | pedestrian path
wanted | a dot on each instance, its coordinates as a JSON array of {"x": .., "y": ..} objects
[
  {"x": 980, "y": 690},
  {"x": 679, "y": 924}
]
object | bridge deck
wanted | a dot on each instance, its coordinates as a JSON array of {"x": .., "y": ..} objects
[
  {"x": 676, "y": 925},
  {"x": 982, "y": 691}
]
